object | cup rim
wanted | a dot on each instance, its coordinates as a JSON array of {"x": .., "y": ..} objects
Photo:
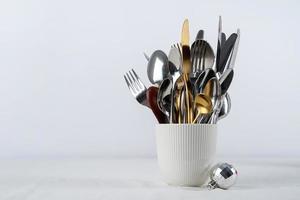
[{"x": 188, "y": 125}]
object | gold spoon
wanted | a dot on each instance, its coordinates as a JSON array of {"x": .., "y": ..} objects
[{"x": 203, "y": 105}]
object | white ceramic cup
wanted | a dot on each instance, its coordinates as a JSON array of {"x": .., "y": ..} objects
[{"x": 186, "y": 152}]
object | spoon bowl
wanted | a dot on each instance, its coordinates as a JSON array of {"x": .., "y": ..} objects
[
  {"x": 226, "y": 107},
  {"x": 164, "y": 96},
  {"x": 158, "y": 67},
  {"x": 203, "y": 106}
]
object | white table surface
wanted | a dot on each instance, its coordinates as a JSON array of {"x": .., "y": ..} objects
[{"x": 137, "y": 178}]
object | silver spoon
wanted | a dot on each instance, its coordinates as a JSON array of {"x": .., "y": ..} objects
[
  {"x": 164, "y": 96},
  {"x": 175, "y": 65},
  {"x": 225, "y": 82},
  {"x": 202, "y": 80},
  {"x": 158, "y": 67},
  {"x": 226, "y": 107},
  {"x": 213, "y": 90}
]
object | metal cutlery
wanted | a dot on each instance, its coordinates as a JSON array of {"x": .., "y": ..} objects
[
  {"x": 158, "y": 67},
  {"x": 144, "y": 96},
  {"x": 202, "y": 105},
  {"x": 190, "y": 84},
  {"x": 175, "y": 56},
  {"x": 226, "y": 80},
  {"x": 200, "y": 35},
  {"x": 186, "y": 70},
  {"x": 146, "y": 56},
  {"x": 164, "y": 96},
  {"x": 223, "y": 39},
  {"x": 175, "y": 64},
  {"x": 152, "y": 93},
  {"x": 213, "y": 90},
  {"x": 136, "y": 87},
  {"x": 219, "y": 43},
  {"x": 165, "y": 93},
  {"x": 202, "y": 80},
  {"x": 225, "y": 108},
  {"x": 202, "y": 56},
  {"x": 234, "y": 51},
  {"x": 225, "y": 53}
]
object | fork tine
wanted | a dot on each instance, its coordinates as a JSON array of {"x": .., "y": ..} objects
[
  {"x": 137, "y": 89},
  {"x": 193, "y": 55},
  {"x": 180, "y": 53},
  {"x": 139, "y": 82},
  {"x": 135, "y": 78},
  {"x": 205, "y": 50},
  {"x": 179, "y": 48},
  {"x": 126, "y": 81},
  {"x": 201, "y": 56},
  {"x": 204, "y": 53},
  {"x": 129, "y": 83},
  {"x": 196, "y": 55},
  {"x": 129, "y": 78},
  {"x": 135, "y": 82}
]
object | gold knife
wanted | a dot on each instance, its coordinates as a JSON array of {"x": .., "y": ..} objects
[
  {"x": 186, "y": 70},
  {"x": 185, "y": 42}
]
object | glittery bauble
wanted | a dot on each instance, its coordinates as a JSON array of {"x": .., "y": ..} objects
[{"x": 223, "y": 175}]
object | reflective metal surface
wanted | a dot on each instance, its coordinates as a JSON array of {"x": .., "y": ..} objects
[
  {"x": 188, "y": 78},
  {"x": 136, "y": 87},
  {"x": 164, "y": 96},
  {"x": 202, "y": 80},
  {"x": 226, "y": 80},
  {"x": 202, "y": 56},
  {"x": 202, "y": 105},
  {"x": 144, "y": 96},
  {"x": 234, "y": 51},
  {"x": 175, "y": 57},
  {"x": 223, "y": 175},
  {"x": 225, "y": 52},
  {"x": 226, "y": 107},
  {"x": 213, "y": 90},
  {"x": 158, "y": 67},
  {"x": 200, "y": 35},
  {"x": 186, "y": 70}
]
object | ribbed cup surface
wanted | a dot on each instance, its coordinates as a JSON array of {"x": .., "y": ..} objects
[{"x": 186, "y": 152}]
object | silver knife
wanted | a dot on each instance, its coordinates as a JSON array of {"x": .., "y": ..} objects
[{"x": 234, "y": 51}]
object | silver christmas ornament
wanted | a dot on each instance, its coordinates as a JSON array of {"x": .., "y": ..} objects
[{"x": 223, "y": 175}]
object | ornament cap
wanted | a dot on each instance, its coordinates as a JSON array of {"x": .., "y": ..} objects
[{"x": 212, "y": 185}]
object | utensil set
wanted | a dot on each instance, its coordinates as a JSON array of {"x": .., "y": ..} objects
[{"x": 190, "y": 84}]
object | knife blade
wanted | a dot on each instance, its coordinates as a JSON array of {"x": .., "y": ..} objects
[
  {"x": 187, "y": 68},
  {"x": 234, "y": 51}
]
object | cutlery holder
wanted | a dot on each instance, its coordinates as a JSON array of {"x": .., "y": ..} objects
[{"x": 186, "y": 152}]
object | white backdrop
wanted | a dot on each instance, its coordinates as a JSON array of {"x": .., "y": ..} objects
[{"x": 62, "y": 91}]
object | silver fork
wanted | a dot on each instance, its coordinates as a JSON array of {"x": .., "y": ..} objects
[
  {"x": 197, "y": 54},
  {"x": 136, "y": 87}
]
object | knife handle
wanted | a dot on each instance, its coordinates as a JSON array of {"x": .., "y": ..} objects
[{"x": 152, "y": 104}]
